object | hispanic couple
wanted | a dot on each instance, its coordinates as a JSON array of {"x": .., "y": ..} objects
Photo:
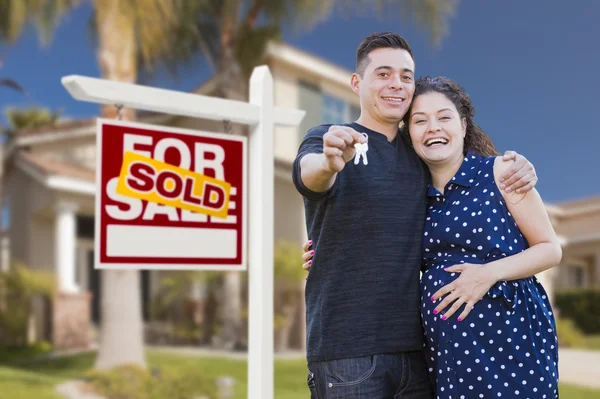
[{"x": 422, "y": 262}]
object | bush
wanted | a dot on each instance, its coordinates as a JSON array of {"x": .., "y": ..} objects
[
  {"x": 19, "y": 354},
  {"x": 569, "y": 336},
  {"x": 18, "y": 287},
  {"x": 582, "y": 306},
  {"x": 133, "y": 382}
]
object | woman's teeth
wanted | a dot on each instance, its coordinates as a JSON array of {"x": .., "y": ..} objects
[{"x": 437, "y": 140}]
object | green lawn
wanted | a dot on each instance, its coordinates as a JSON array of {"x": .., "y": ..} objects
[{"x": 37, "y": 381}]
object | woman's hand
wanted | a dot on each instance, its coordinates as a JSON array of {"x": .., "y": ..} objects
[
  {"x": 307, "y": 255},
  {"x": 472, "y": 284}
]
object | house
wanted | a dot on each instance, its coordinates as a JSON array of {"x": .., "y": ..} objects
[
  {"x": 50, "y": 189},
  {"x": 577, "y": 224}
]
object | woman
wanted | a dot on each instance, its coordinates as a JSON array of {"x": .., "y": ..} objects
[{"x": 488, "y": 323}]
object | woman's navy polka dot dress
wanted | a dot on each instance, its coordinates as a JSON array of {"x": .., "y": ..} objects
[{"x": 507, "y": 346}]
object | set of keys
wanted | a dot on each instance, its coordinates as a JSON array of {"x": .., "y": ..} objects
[{"x": 361, "y": 151}]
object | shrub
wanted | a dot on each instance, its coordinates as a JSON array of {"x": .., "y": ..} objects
[
  {"x": 582, "y": 306},
  {"x": 20, "y": 354},
  {"x": 18, "y": 287},
  {"x": 134, "y": 382},
  {"x": 569, "y": 336}
]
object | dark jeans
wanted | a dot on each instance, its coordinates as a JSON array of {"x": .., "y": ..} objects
[{"x": 385, "y": 376}]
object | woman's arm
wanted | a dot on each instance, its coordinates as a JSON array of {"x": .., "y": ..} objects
[{"x": 531, "y": 217}]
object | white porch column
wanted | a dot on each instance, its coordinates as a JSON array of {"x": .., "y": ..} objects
[{"x": 65, "y": 234}]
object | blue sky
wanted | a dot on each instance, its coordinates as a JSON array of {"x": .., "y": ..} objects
[{"x": 531, "y": 68}]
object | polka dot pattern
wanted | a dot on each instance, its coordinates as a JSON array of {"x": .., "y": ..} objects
[{"x": 507, "y": 346}]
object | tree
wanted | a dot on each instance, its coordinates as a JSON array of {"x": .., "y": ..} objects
[
  {"x": 232, "y": 36},
  {"x": 128, "y": 33},
  {"x": 10, "y": 84}
]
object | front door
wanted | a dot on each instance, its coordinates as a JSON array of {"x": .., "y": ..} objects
[{"x": 95, "y": 288}]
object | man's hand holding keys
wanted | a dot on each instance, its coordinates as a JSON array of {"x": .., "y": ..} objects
[{"x": 338, "y": 146}]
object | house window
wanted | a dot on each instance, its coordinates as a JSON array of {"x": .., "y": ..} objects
[
  {"x": 309, "y": 100},
  {"x": 577, "y": 275},
  {"x": 322, "y": 108},
  {"x": 336, "y": 110}
]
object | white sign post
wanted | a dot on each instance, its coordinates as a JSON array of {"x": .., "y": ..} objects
[{"x": 261, "y": 115}]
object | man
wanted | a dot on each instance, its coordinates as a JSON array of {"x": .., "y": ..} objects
[{"x": 364, "y": 334}]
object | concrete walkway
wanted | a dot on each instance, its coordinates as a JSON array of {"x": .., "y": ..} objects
[{"x": 579, "y": 367}]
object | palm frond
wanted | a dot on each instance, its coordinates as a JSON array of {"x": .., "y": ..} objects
[
  {"x": 185, "y": 29},
  {"x": 13, "y": 18},
  {"x": 47, "y": 14},
  {"x": 44, "y": 14},
  {"x": 251, "y": 46},
  {"x": 431, "y": 15},
  {"x": 11, "y": 84}
]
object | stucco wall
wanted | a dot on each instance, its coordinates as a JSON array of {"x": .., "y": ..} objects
[
  {"x": 41, "y": 243},
  {"x": 26, "y": 196},
  {"x": 16, "y": 188}
]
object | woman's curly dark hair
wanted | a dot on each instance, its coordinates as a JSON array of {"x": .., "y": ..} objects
[{"x": 475, "y": 139}]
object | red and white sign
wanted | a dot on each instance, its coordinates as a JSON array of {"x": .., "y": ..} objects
[{"x": 136, "y": 233}]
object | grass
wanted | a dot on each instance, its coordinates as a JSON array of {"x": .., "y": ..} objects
[
  {"x": 37, "y": 380},
  {"x": 9, "y": 355}
]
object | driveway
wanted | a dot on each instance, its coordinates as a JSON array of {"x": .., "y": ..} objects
[{"x": 579, "y": 367}]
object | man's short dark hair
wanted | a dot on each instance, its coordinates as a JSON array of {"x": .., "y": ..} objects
[{"x": 375, "y": 41}]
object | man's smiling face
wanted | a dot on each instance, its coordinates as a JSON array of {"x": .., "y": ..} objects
[{"x": 387, "y": 85}]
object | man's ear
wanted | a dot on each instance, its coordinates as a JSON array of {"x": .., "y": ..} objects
[{"x": 355, "y": 83}]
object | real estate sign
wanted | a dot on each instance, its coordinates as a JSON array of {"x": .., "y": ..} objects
[{"x": 169, "y": 198}]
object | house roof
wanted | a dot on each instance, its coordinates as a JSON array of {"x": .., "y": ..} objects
[
  {"x": 308, "y": 63},
  {"x": 573, "y": 208},
  {"x": 56, "y": 175},
  {"x": 50, "y": 167},
  {"x": 581, "y": 202},
  {"x": 60, "y": 126}
]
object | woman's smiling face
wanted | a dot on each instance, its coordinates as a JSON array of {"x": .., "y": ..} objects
[{"x": 436, "y": 129}]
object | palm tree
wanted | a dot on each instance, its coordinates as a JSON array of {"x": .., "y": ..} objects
[
  {"x": 232, "y": 36},
  {"x": 10, "y": 84},
  {"x": 129, "y": 33}
]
